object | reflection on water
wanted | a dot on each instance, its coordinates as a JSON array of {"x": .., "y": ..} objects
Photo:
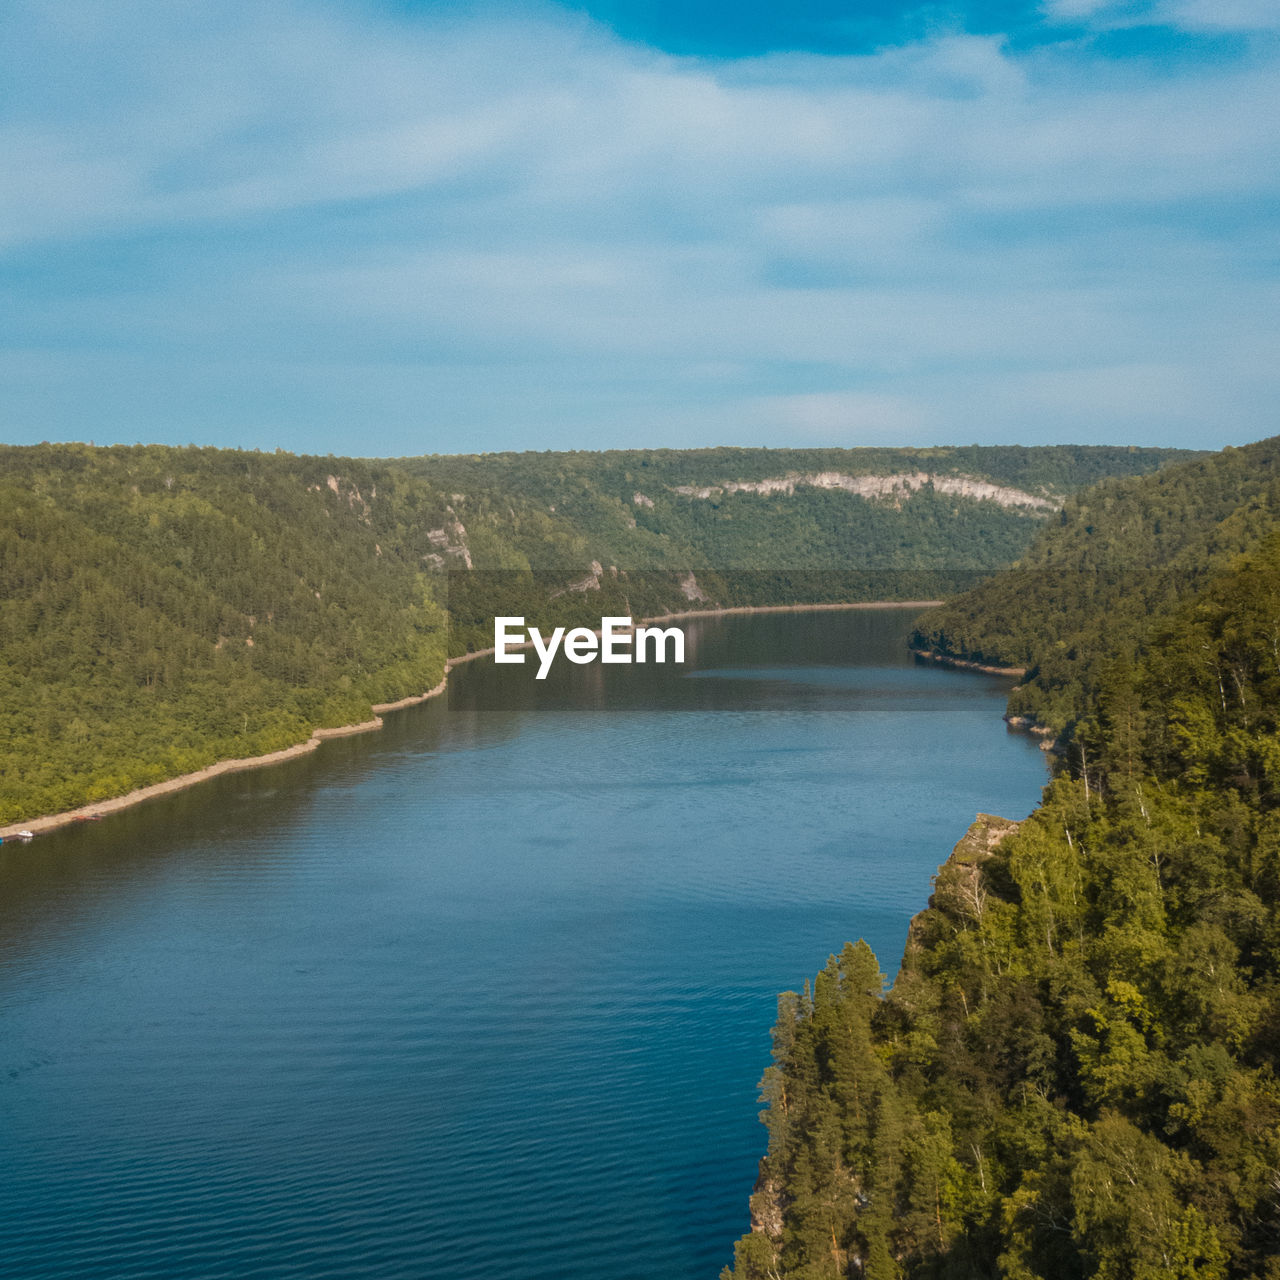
[{"x": 487, "y": 993}]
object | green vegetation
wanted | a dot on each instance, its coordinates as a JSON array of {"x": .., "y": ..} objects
[
  {"x": 167, "y": 608},
  {"x": 1112, "y": 560},
  {"x": 1074, "y": 1073},
  {"x": 628, "y": 505}
]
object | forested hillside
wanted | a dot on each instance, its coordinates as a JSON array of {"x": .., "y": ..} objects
[
  {"x": 1075, "y": 1072},
  {"x": 1114, "y": 558},
  {"x": 167, "y": 608},
  {"x": 970, "y": 508}
]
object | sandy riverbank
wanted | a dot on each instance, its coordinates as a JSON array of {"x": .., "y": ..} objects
[
  {"x": 100, "y": 808},
  {"x": 964, "y": 664}
]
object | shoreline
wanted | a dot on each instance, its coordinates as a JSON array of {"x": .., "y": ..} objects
[
  {"x": 100, "y": 808},
  {"x": 794, "y": 608},
  {"x": 967, "y": 664},
  {"x": 719, "y": 613}
]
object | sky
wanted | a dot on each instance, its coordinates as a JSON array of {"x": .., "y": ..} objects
[{"x": 391, "y": 227}]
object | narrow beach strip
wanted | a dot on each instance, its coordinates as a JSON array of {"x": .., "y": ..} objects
[
  {"x": 967, "y": 664},
  {"x": 100, "y": 808}
]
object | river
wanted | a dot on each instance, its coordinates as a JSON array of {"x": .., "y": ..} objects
[{"x": 486, "y": 994}]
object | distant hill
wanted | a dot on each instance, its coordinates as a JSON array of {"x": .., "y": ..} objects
[
  {"x": 973, "y": 508},
  {"x": 1114, "y": 557},
  {"x": 167, "y": 608}
]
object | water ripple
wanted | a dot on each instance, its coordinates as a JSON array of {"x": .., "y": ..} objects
[{"x": 482, "y": 995}]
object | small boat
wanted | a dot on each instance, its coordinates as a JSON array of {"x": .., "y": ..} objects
[{"x": 26, "y": 835}]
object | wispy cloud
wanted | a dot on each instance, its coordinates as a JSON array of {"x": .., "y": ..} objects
[
  {"x": 1185, "y": 15},
  {"x": 295, "y": 223},
  {"x": 1220, "y": 15}
]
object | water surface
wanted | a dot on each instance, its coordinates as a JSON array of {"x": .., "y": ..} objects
[{"x": 486, "y": 994}]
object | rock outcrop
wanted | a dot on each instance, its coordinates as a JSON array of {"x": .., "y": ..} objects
[{"x": 893, "y": 488}]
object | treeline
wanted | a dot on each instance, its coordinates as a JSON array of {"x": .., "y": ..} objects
[
  {"x": 1074, "y": 1074},
  {"x": 166, "y": 608},
  {"x": 1113, "y": 560},
  {"x": 1038, "y": 469},
  {"x": 626, "y": 502},
  {"x": 161, "y": 609}
]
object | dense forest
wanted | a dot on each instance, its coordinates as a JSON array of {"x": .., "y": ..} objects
[
  {"x": 166, "y": 608},
  {"x": 1115, "y": 557},
  {"x": 751, "y": 509},
  {"x": 1073, "y": 1076},
  {"x": 1074, "y": 1073}
]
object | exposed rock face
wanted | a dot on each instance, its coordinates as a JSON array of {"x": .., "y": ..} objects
[
  {"x": 979, "y": 842},
  {"x": 590, "y": 583},
  {"x": 1025, "y": 724},
  {"x": 450, "y": 543},
  {"x": 958, "y": 888},
  {"x": 690, "y": 590},
  {"x": 767, "y": 1206},
  {"x": 355, "y": 499},
  {"x": 642, "y": 499},
  {"x": 894, "y": 488}
]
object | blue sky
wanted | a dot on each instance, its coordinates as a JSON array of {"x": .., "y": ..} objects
[{"x": 386, "y": 227}]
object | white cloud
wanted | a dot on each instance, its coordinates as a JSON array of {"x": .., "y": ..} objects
[
  {"x": 534, "y": 228},
  {"x": 1221, "y": 15},
  {"x": 1187, "y": 15}
]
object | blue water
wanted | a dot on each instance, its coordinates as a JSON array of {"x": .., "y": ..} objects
[{"x": 486, "y": 994}]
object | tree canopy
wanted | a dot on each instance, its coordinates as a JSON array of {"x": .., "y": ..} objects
[
  {"x": 1074, "y": 1073},
  {"x": 166, "y": 608}
]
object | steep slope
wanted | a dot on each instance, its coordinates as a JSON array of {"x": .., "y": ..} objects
[
  {"x": 1113, "y": 558},
  {"x": 775, "y": 510},
  {"x": 1075, "y": 1072},
  {"x": 167, "y": 608}
]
